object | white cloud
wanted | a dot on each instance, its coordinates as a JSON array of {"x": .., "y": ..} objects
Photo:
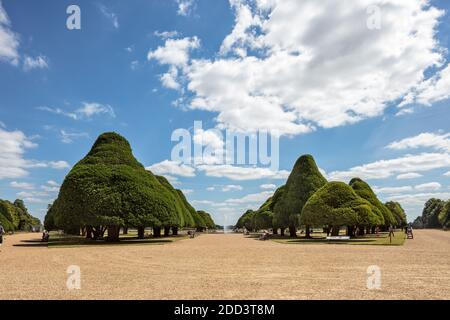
[
  {"x": 87, "y": 110},
  {"x": 59, "y": 165},
  {"x": 386, "y": 168},
  {"x": 187, "y": 191},
  {"x": 9, "y": 41},
  {"x": 436, "y": 88},
  {"x": 242, "y": 173},
  {"x": 305, "y": 64},
  {"x": 231, "y": 187},
  {"x": 175, "y": 52},
  {"x": 268, "y": 186},
  {"x": 166, "y": 34},
  {"x": 22, "y": 185},
  {"x": 417, "y": 200},
  {"x": 134, "y": 64},
  {"x": 432, "y": 186},
  {"x": 392, "y": 190},
  {"x": 69, "y": 137},
  {"x": 409, "y": 175},
  {"x": 13, "y": 145},
  {"x": 447, "y": 174},
  {"x": 172, "y": 168},
  {"x": 39, "y": 62},
  {"x": 210, "y": 188},
  {"x": 255, "y": 198},
  {"x": 213, "y": 144},
  {"x": 435, "y": 141},
  {"x": 53, "y": 183},
  {"x": 185, "y": 7},
  {"x": 110, "y": 16}
]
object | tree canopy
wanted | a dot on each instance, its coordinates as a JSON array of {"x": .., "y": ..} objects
[
  {"x": 398, "y": 212},
  {"x": 15, "y": 216},
  {"x": 109, "y": 187},
  {"x": 365, "y": 191},
  {"x": 444, "y": 215},
  {"x": 337, "y": 204},
  {"x": 304, "y": 180}
]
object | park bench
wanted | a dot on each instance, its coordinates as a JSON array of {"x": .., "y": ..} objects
[{"x": 338, "y": 238}]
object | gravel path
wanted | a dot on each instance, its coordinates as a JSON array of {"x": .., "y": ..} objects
[{"x": 227, "y": 267}]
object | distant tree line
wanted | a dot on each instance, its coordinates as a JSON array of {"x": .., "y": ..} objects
[
  {"x": 14, "y": 216},
  {"x": 309, "y": 200},
  {"x": 109, "y": 189},
  {"x": 435, "y": 214}
]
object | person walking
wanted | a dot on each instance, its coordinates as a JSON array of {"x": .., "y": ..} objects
[{"x": 2, "y": 231}]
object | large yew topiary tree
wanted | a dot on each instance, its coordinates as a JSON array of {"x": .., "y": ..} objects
[
  {"x": 398, "y": 212},
  {"x": 304, "y": 180},
  {"x": 15, "y": 216},
  {"x": 108, "y": 189},
  {"x": 444, "y": 215},
  {"x": 335, "y": 205},
  {"x": 365, "y": 191}
]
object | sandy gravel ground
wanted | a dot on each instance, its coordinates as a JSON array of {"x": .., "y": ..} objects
[{"x": 228, "y": 267}]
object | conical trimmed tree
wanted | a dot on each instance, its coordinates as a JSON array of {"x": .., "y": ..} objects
[
  {"x": 109, "y": 188},
  {"x": 304, "y": 180},
  {"x": 336, "y": 204},
  {"x": 363, "y": 189}
]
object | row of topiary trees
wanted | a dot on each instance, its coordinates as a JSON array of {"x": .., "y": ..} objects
[
  {"x": 435, "y": 214},
  {"x": 109, "y": 189},
  {"x": 15, "y": 217},
  {"x": 309, "y": 200}
]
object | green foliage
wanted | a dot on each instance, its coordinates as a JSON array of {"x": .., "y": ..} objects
[
  {"x": 431, "y": 212},
  {"x": 206, "y": 217},
  {"x": 110, "y": 187},
  {"x": 15, "y": 216},
  {"x": 444, "y": 215},
  {"x": 246, "y": 221},
  {"x": 398, "y": 212},
  {"x": 262, "y": 220},
  {"x": 337, "y": 204},
  {"x": 365, "y": 191},
  {"x": 304, "y": 180},
  {"x": 183, "y": 209}
]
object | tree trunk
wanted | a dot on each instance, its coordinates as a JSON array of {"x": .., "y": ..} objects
[
  {"x": 166, "y": 231},
  {"x": 156, "y": 232},
  {"x": 125, "y": 230},
  {"x": 282, "y": 231},
  {"x": 275, "y": 230},
  {"x": 175, "y": 231},
  {"x": 88, "y": 232},
  {"x": 83, "y": 231},
  {"x": 307, "y": 232},
  {"x": 335, "y": 231},
  {"x": 113, "y": 234},
  {"x": 373, "y": 229},
  {"x": 292, "y": 231},
  {"x": 350, "y": 231},
  {"x": 141, "y": 232},
  {"x": 361, "y": 231}
]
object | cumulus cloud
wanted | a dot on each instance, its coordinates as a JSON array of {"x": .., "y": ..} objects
[
  {"x": 255, "y": 198},
  {"x": 9, "y": 41},
  {"x": 291, "y": 66},
  {"x": 242, "y": 173},
  {"x": 386, "y": 168},
  {"x": 13, "y": 145},
  {"x": 185, "y": 7},
  {"x": 409, "y": 175},
  {"x": 22, "y": 185},
  {"x": 39, "y": 62},
  {"x": 231, "y": 187},
  {"x": 69, "y": 137},
  {"x": 432, "y": 186},
  {"x": 268, "y": 186},
  {"x": 435, "y": 141},
  {"x": 172, "y": 168},
  {"x": 393, "y": 190}
]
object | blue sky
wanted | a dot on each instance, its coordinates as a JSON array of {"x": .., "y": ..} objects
[{"x": 365, "y": 99}]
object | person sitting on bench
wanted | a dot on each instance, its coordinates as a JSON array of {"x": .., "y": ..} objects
[{"x": 45, "y": 236}]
